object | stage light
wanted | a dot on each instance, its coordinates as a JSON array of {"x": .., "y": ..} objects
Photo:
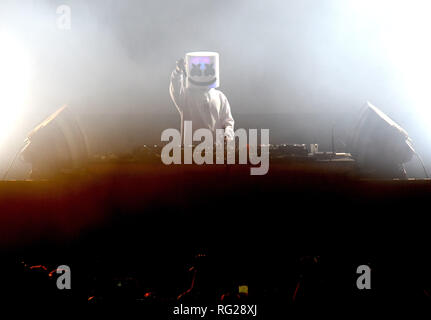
[
  {"x": 15, "y": 76},
  {"x": 56, "y": 146},
  {"x": 379, "y": 145}
]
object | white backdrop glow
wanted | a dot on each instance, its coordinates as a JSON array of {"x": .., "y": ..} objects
[
  {"x": 401, "y": 30},
  {"x": 15, "y": 78}
]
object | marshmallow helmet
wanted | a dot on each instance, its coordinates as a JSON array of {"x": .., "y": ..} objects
[{"x": 202, "y": 70}]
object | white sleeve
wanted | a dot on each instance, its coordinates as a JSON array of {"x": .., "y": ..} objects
[
  {"x": 227, "y": 119},
  {"x": 176, "y": 89}
]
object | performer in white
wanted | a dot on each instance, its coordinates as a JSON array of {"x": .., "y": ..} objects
[{"x": 193, "y": 92}]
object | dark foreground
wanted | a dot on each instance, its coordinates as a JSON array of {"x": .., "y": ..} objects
[{"x": 145, "y": 234}]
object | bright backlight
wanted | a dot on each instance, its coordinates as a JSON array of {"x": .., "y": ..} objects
[
  {"x": 14, "y": 84},
  {"x": 402, "y": 28}
]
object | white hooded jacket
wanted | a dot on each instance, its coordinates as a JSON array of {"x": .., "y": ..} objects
[{"x": 206, "y": 108}]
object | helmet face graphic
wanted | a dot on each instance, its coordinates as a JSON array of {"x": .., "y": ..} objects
[{"x": 202, "y": 69}]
